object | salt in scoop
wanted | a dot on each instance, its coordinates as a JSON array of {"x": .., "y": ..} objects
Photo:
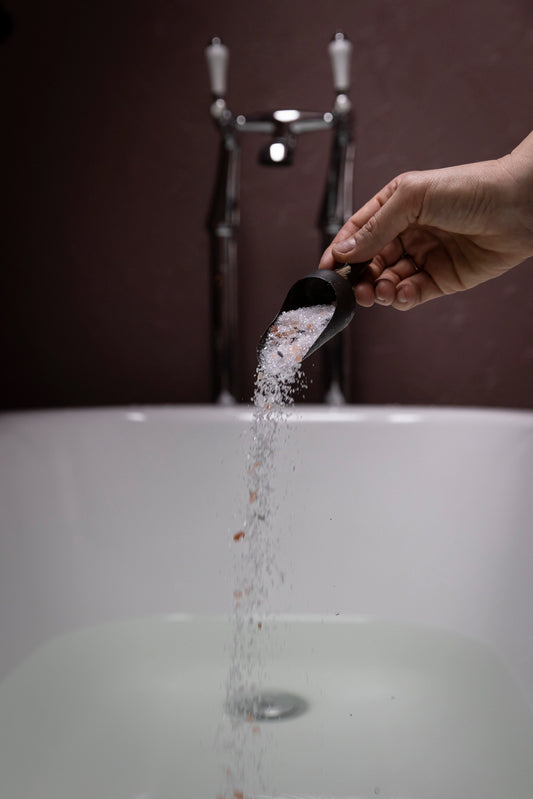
[{"x": 322, "y": 287}]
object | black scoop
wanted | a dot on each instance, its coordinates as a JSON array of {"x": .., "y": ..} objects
[{"x": 323, "y": 287}]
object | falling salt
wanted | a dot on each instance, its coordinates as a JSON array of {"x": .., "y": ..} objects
[
  {"x": 291, "y": 337},
  {"x": 256, "y": 570}
]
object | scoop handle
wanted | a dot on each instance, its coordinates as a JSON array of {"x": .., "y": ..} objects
[{"x": 353, "y": 272}]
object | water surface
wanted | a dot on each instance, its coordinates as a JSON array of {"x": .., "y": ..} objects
[{"x": 131, "y": 711}]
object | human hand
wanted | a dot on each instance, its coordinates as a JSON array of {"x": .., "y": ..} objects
[{"x": 436, "y": 232}]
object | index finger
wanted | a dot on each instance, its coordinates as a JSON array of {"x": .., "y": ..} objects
[{"x": 357, "y": 221}]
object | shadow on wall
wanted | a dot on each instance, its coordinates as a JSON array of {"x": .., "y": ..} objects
[{"x": 109, "y": 164}]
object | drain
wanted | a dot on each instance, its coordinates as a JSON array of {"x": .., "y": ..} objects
[{"x": 268, "y": 706}]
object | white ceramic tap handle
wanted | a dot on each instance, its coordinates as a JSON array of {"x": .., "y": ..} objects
[
  {"x": 340, "y": 52},
  {"x": 217, "y": 55}
]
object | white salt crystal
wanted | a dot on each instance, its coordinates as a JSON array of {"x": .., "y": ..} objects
[
  {"x": 292, "y": 336},
  {"x": 256, "y": 570}
]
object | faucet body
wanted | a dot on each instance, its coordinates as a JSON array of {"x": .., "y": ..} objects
[{"x": 284, "y": 126}]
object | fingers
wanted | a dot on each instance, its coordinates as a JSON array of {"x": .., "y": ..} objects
[
  {"x": 364, "y": 288},
  {"x": 383, "y": 218},
  {"x": 328, "y": 260},
  {"x": 414, "y": 291},
  {"x": 376, "y": 233},
  {"x": 386, "y": 285},
  {"x": 402, "y": 286},
  {"x": 355, "y": 223},
  {"x": 399, "y": 207}
]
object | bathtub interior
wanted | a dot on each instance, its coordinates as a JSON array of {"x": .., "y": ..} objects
[{"x": 119, "y": 524}]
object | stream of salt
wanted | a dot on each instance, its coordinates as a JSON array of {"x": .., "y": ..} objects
[{"x": 256, "y": 570}]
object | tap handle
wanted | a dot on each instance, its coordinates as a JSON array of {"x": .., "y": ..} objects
[
  {"x": 340, "y": 53},
  {"x": 217, "y": 55}
]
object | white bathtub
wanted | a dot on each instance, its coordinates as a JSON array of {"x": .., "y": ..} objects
[{"x": 417, "y": 518}]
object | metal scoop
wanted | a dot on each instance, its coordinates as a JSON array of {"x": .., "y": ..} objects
[{"x": 323, "y": 287}]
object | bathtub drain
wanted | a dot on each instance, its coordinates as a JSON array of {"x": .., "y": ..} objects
[{"x": 268, "y": 706}]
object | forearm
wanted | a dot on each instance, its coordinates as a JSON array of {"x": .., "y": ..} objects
[{"x": 519, "y": 165}]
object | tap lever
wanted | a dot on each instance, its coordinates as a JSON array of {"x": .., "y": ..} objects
[
  {"x": 340, "y": 53},
  {"x": 217, "y": 55}
]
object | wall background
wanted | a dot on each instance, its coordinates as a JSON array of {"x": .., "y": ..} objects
[{"x": 108, "y": 162}]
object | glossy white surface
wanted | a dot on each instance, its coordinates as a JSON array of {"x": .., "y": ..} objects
[
  {"x": 129, "y": 710},
  {"x": 407, "y": 515}
]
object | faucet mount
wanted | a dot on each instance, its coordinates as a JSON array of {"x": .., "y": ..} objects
[{"x": 283, "y": 126}]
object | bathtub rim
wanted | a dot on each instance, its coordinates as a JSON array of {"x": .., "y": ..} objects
[{"x": 296, "y": 414}]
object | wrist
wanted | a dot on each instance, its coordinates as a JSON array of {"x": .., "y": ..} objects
[{"x": 518, "y": 167}]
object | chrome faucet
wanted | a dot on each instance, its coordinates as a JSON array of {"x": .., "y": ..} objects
[{"x": 284, "y": 126}]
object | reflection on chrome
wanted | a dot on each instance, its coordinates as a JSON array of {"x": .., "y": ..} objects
[
  {"x": 286, "y": 115},
  {"x": 277, "y": 151}
]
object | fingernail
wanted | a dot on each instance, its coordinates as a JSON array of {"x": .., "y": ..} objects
[
  {"x": 401, "y": 297},
  {"x": 344, "y": 246}
]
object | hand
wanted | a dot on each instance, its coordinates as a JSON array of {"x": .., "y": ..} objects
[{"x": 437, "y": 232}]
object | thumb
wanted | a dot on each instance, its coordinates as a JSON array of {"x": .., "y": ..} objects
[{"x": 388, "y": 214}]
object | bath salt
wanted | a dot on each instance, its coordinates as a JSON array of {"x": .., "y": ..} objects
[
  {"x": 292, "y": 336},
  {"x": 257, "y": 573}
]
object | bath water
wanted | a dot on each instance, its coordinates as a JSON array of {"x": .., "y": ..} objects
[{"x": 128, "y": 711}]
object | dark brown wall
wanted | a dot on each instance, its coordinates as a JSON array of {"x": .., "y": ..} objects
[{"x": 108, "y": 160}]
